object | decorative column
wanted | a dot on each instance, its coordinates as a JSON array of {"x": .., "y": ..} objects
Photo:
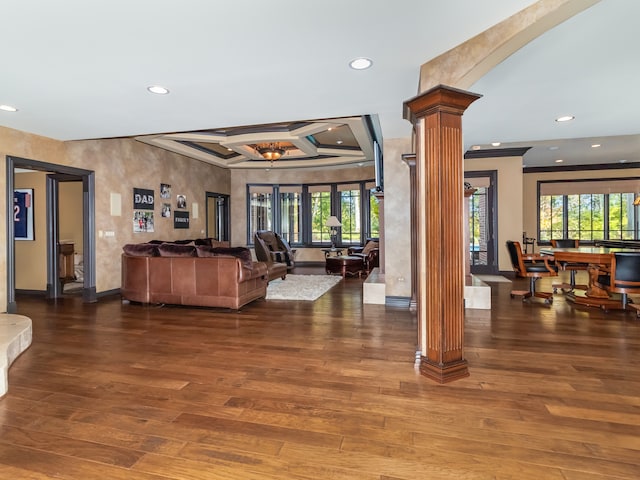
[{"x": 437, "y": 118}]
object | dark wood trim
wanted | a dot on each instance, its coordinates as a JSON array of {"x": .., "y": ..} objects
[
  {"x": 577, "y": 168},
  {"x": 496, "y": 152}
]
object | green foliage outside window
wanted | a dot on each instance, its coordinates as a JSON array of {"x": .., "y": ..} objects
[{"x": 589, "y": 216}]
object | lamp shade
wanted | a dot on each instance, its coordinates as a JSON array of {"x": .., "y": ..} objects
[{"x": 333, "y": 221}]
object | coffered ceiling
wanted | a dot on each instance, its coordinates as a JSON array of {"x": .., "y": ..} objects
[
  {"x": 312, "y": 143},
  {"x": 80, "y": 70}
]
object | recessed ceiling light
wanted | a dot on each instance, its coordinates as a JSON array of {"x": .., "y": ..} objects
[
  {"x": 622, "y": 161},
  {"x": 360, "y": 164},
  {"x": 8, "y": 108},
  {"x": 554, "y": 148},
  {"x": 476, "y": 147},
  {"x": 496, "y": 144},
  {"x": 339, "y": 142},
  {"x": 559, "y": 160},
  {"x": 229, "y": 149},
  {"x": 158, "y": 90},
  {"x": 596, "y": 145},
  {"x": 360, "y": 63},
  {"x": 565, "y": 118}
]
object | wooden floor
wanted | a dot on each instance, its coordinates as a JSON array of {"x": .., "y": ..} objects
[{"x": 319, "y": 390}]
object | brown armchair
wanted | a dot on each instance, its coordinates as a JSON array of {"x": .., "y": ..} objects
[
  {"x": 533, "y": 267},
  {"x": 370, "y": 254},
  {"x": 274, "y": 251}
]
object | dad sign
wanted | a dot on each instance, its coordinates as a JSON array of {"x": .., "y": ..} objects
[{"x": 142, "y": 199}]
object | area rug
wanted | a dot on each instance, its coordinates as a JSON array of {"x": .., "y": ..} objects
[
  {"x": 493, "y": 278},
  {"x": 301, "y": 287}
]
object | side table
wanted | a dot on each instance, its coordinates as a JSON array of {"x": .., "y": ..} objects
[{"x": 332, "y": 252}]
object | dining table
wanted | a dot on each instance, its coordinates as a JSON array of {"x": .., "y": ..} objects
[{"x": 596, "y": 259}]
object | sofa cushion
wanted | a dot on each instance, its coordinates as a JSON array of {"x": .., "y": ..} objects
[
  {"x": 210, "y": 242},
  {"x": 244, "y": 254},
  {"x": 141, "y": 250},
  {"x": 173, "y": 250}
]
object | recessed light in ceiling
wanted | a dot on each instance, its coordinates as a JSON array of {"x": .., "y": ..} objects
[
  {"x": 496, "y": 144},
  {"x": 339, "y": 142},
  {"x": 360, "y": 63},
  {"x": 559, "y": 160},
  {"x": 476, "y": 147},
  {"x": 554, "y": 148},
  {"x": 565, "y": 118},
  {"x": 158, "y": 89},
  {"x": 596, "y": 145},
  {"x": 8, "y": 108},
  {"x": 622, "y": 161}
]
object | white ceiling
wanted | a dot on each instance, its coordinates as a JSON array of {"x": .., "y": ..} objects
[{"x": 79, "y": 70}]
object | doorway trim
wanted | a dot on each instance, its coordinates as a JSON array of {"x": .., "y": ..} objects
[
  {"x": 222, "y": 215},
  {"x": 492, "y": 268},
  {"x": 54, "y": 289}
]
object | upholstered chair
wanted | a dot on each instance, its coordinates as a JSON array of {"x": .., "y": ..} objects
[
  {"x": 623, "y": 276},
  {"x": 571, "y": 267},
  {"x": 271, "y": 247},
  {"x": 370, "y": 254},
  {"x": 533, "y": 267}
]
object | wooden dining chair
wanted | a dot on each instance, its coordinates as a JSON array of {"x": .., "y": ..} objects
[
  {"x": 533, "y": 267},
  {"x": 623, "y": 277},
  {"x": 571, "y": 267}
]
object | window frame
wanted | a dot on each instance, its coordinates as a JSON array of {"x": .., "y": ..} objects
[{"x": 575, "y": 190}]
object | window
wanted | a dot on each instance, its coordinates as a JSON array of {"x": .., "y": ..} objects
[
  {"x": 588, "y": 210},
  {"x": 350, "y": 214},
  {"x": 320, "y": 196},
  {"x": 374, "y": 213},
  {"x": 299, "y": 212},
  {"x": 291, "y": 213},
  {"x": 260, "y": 208}
]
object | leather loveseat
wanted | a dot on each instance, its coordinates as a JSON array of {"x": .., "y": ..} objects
[{"x": 191, "y": 275}]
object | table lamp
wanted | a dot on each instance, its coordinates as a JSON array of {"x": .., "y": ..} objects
[{"x": 333, "y": 223}]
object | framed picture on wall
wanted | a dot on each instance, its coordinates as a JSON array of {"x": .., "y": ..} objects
[{"x": 23, "y": 213}]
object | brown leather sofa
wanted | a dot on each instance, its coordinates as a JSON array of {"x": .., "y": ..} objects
[{"x": 189, "y": 275}]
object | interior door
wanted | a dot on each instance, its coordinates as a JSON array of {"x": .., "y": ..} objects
[
  {"x": 218, "y": 216},
  {"x": 483, "y": 222}
]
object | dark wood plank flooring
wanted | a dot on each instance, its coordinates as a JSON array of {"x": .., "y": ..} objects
[{"x": 319, "y": 390}]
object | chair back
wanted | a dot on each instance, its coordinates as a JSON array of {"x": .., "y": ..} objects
[
  {"x": 565, "y": 243},
  {"x": 515, "y": 254},
  {"x": 625, "y": 272}
]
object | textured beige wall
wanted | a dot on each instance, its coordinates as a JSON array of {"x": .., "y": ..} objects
[
  {"x": 31, "y": 256},
  {"x": 70, "y": 214},
  {"x": 121, "y": 165},
  {"x": 397, "y": 218},
  {"x": 530, "y": 195},
  {"x": 510, "y": 201}
]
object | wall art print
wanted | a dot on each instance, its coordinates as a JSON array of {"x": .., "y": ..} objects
[
  {"x": 143, "y": 221},
  {"x": 23, "y": 213}
]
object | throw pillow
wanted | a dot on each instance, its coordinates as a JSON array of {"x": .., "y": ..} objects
[{"x": 370, "y": 246}]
